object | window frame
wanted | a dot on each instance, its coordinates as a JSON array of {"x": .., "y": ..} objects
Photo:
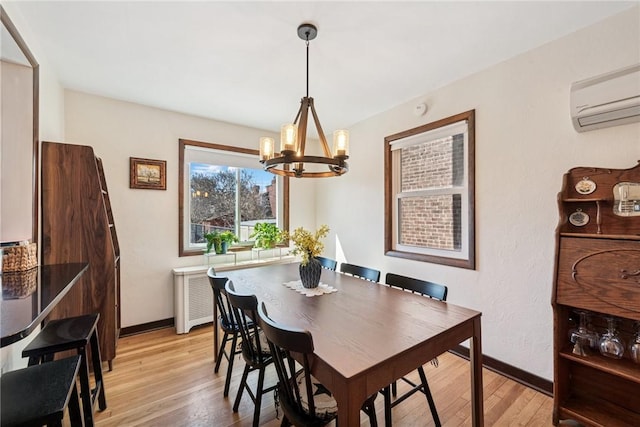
[
  {"x": 182, "y": 144},
  {"x": 390, "y": 210}
]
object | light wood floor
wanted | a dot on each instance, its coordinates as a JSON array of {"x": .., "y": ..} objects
[{"x": 160, "y": 378}]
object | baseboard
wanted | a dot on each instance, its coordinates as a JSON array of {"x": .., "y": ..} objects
[
  {"x": 523, "y": 377},
  {"x": 146, "y": 327}
]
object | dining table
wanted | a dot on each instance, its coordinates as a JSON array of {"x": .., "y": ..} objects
[{"x": 366, "y": 335}]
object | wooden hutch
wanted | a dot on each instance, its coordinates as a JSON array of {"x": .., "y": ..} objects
[
  {"x": 78, "y": 226},
  {"x": 597, "y": 269}
]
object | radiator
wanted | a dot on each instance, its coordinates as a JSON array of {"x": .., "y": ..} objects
[{"x": 193, "y": 301}]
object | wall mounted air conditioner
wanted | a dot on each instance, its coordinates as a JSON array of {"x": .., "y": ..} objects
[{"x": 610, "y": 99}]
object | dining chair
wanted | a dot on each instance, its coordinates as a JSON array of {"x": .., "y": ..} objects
[
  {"x": 327, "y": 263},
  {"x": 430, "y": 290},
  {"x": 229, "y": 327},
  {"x": 255, "y": 349},
  {"x": 303, "y": 399},
  {"x": 361, "y": 272}
]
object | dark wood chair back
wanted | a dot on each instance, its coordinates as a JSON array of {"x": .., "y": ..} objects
[
  {"x": 284, "y": 341},
  {"x": 361, "y": 272},
  {"x": 327, "y": 263},
  {"x": 222, "y": 302},
  {"x": 245, "y": 311},
  {"x": 422, "y": 287}
]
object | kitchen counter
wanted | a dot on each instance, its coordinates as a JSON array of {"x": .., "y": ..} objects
[{"x": 28, "y": 297}]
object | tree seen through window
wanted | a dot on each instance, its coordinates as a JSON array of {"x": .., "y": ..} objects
[{"x": 229, "y": 198}]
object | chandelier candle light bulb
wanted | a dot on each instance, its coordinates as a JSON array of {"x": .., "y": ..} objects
[
  {"x": 341, "y": 143},
  {"x": 289, "y": 138},
  {"x": 266, "y": 148}
]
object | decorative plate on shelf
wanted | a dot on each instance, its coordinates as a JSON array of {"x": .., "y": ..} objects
[
  {"x": 585, "y": 186},
  {"x": 579, "y": 218}
]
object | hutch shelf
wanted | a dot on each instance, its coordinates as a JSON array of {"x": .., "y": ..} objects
[{"x": 597, "y": 270}]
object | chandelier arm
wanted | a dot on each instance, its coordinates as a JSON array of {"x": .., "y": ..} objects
[
  {"x": 302, "y": 125},
  {"x": 323, "y": 138},
  {"x": 299, "y": 112}
]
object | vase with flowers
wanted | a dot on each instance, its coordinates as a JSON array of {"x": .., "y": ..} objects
[{"x": 309, "y": 246}]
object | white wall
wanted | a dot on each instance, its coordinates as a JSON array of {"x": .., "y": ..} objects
[
  {"x": 525, "y": 142},
  {"x": 147, "y": 220}
]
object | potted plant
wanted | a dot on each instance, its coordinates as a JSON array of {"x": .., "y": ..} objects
[
  {"x": 227, "y": 238},
  {"x": 219, "y": 240},
  {"x": 308, "y": 246},
  {"x": 267, "y": 235},
  {"x": 213, "y": 241}
]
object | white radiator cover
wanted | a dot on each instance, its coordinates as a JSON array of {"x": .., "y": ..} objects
[
  {"x": 193, "y": 296},
  {"x": 193, "y": 299}
]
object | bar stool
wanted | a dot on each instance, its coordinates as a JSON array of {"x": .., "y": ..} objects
[
  {"x": 74, "y": 333},
  {"x": 38, "y": 395}
]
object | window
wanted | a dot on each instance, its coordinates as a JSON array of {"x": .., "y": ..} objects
[
  {"x": 429, "y": 192},
  {"x": 224, "y": 188}
]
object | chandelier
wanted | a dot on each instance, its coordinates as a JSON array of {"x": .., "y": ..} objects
[{"x": 291, "y": 160}]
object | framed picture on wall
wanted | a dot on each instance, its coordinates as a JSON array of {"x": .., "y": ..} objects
[{"x": 147, "y": 174}]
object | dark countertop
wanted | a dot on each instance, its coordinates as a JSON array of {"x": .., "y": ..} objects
[{"x": 28, "y": 297}]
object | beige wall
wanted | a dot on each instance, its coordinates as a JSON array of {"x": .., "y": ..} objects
[
  {"x": 147, "y": 220},
  {"x": 525, "y": 142}
]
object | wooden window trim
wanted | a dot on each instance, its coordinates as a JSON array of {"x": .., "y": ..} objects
[
  {"x": 389, "y": 198},
  {"x": 182, "y": 143}
]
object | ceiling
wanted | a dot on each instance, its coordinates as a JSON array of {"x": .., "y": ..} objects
[{"x": 242, "y": 62}]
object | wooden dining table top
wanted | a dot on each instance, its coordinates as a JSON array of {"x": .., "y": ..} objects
[{"x": 366, "y": 334}]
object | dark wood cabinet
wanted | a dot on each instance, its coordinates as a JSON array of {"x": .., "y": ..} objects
[
  {"x": 597, "y": 269},
  {"x": 78, "y": 226}
]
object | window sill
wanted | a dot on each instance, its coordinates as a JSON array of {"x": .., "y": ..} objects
[{"x": 239, "y": 265}]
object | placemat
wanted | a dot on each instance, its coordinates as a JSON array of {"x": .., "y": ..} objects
[{"x": 322, "y": 288}]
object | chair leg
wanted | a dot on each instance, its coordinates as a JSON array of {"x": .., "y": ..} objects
[
  {"x": 220, "y": 352},
  {"x": 232, "y": 356},
  {"x": 386, "y": 392},
  {"x": 85, "y": 388},
  {"x": 394, "y": 389},
  {"x": 243, "y": 384},
  {"x": 427, "y": 392},
  {"x": 370, "y": 409},
  {"x": 75, "y": 416},
  {"x": 258, "y": 400},
  {"x": 97, "y": 370}
]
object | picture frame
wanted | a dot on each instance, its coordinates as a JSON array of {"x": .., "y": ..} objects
[{"x": 147, "y": 174}]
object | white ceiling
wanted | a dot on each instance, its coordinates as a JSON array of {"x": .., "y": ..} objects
[{"x": 242, "y": 62}]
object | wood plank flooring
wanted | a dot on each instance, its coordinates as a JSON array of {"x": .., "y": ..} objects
[{"x": 160, "y": 378}]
